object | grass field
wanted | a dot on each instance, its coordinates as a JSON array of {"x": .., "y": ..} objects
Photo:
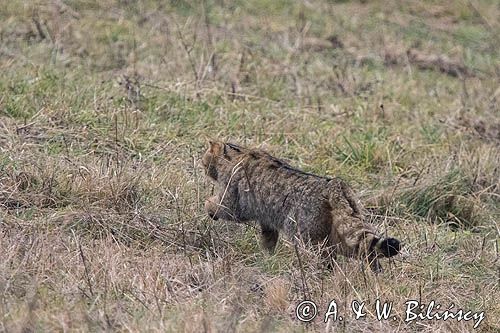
[{"x": 106, "y": 107}]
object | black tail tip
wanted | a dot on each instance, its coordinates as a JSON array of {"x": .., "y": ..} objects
[{"x": 390, "y": 247}]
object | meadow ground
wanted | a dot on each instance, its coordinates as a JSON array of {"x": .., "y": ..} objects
[{"x": 106, "y": 107}]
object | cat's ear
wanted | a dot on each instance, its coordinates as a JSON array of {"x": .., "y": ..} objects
[
  {"x": 211, "y": 143},
  {"x": 215, "y": 147}
]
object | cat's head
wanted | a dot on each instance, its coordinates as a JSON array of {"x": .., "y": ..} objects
[{"x": 218, "y": 155}]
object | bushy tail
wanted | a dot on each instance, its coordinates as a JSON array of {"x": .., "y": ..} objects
[
  {"x": 387, "y": 247},
  {"x": 351, "y": 236}
]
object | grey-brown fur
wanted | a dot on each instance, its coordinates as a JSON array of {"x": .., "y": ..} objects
[{"x": 253, "y": 185}]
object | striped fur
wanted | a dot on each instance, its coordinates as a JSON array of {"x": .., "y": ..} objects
[{"x": 253, "y": 185}]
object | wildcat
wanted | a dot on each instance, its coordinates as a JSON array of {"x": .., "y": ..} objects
[{"x": 252, "y": 185}]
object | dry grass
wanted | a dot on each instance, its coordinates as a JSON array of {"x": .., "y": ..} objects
[{"x": 105, "y": 107}]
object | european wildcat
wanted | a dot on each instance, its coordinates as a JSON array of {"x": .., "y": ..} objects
[{"x": 253, "y": 185}]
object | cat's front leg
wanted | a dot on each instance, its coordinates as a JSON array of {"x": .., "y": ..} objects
[{"x": 268, "y": 238}]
